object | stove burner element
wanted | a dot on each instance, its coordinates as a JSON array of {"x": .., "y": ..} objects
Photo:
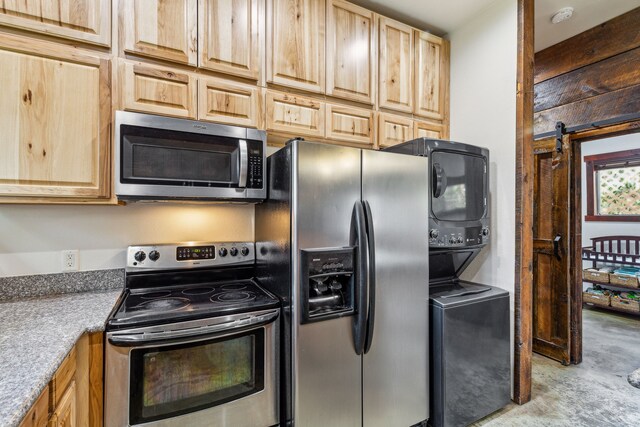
[
  {"x": 234, "y": 287},
  {"x": 231, "y": 297},
  {"x": 197, "y": 291},
  {"x": 154, "y": 295},
  {"x": 164, "y": 304}
]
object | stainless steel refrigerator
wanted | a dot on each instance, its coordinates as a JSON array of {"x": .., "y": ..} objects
[{"x": 342, "y": 239}]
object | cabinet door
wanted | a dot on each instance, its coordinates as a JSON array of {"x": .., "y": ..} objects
[
  {"x": 350, "y": 124},
  {"x": 39, "y": 412},
  {"x": 229, "y": 102},
  {"x": 351, "y": 52},
  {"x": 393, "y": 130},
  {"x": 229, "y": 36},
  {"x": 163, "y": 29},
  {"x": 65, "y": 413},
  {"x": 428, "y": 130},
  {"x": 431, "y": 75},
  {"x": 84, "y": 20},
  {"x": 55, "y": 114},
  {"x": 395, "y": 89},
  {"x": 157, "y": 90},
  {"x": 295, "y": 115},
  {"x": 295, "y": 44}
]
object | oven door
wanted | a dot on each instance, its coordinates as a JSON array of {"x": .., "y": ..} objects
[{"x": 207, "y": 372}]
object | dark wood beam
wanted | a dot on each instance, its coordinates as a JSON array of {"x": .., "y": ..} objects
[
  {"x": 609, "y": 75},
  {"x": 524, "y": 205},
  {"x": 606, "y": 40},
  {"x": 607, "y": 106}
]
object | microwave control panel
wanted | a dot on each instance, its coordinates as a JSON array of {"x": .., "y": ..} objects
[{"x": 255, "y": 177}]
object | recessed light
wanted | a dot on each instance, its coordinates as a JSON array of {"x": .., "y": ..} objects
[{"x": 562, "y": 15}]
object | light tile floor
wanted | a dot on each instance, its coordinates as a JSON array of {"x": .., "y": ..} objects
[{"x": 593, "y": 393}]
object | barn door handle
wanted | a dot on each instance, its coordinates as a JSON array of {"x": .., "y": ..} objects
[{"x": 556, "y": 246}]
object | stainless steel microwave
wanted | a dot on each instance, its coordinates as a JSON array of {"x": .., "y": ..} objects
[{"x": 161, "y": 158}]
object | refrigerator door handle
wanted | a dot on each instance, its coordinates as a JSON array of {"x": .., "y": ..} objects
[
  {"x": 359, "y": 240},
  {"x": 371, "y": 317}
]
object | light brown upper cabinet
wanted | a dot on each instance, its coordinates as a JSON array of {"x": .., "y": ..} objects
[
  {"x": 230, "y": 36},
  {"x": 428, "y": 130},
  {"x": 163, "y": 29},
  {"x": 88, "y": 21},
  {"x": 158, "y": 90},
  {"x": 295, "y": 115},
  {"x": 229, "y": 102},
  {"x": 295, "y": 44},
  {"x": 348, "y": 124},
  {"x": 351, "y": 52},
  {"x": 431, "y": 75},
  {"x": 55, "y": 115},
  {"x": 395, "y": 89},
  {"x": 393, "y": 130}
]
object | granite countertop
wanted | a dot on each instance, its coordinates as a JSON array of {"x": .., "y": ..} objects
[{"x": 35, "y": 336}]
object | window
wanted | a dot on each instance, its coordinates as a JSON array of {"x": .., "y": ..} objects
[{"x": 613, "y": 186}]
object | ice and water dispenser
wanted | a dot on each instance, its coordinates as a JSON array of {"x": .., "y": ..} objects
[{"x": 327, "y": 285}]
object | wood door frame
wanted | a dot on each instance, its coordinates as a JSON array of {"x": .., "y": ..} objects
[
  {"x": 523, "y": 285},
  {"x": 575, "y": 222}
]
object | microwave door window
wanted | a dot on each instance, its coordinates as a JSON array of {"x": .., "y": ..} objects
[
  {"x": 178, "y": 158},
  {"x": 458, "y": 186}
]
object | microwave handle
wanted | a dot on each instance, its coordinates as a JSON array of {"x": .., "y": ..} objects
[{"x": 244, "y": 164}]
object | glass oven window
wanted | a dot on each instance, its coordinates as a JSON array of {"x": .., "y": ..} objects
[
  {"x": 458, "y": 186},
  {"x": 177, "y": 379}
]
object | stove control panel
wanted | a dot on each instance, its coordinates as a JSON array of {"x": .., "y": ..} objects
[{"x": 189, "y": 255}]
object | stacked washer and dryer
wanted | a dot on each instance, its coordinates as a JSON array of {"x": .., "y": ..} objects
[{"x": 469, "y": 322}]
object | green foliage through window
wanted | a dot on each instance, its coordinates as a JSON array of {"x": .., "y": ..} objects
[{"x": 619, "y": 191}]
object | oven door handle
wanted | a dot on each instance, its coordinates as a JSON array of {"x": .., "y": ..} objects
[
  {"x": 140, "y": 338},
  {"x": 244, "y": 164}
]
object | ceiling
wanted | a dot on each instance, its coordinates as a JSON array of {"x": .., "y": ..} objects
[
  {"x": 586, "y": 14},
  {"x": 443, "y": 16}
]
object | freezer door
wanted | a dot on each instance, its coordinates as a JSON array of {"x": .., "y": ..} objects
[
  {"x": 395, "y": 369},
  {"x": 326, "y": 369}
]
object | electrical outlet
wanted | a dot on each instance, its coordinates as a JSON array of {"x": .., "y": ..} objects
[{"x": 70, "y": 260}]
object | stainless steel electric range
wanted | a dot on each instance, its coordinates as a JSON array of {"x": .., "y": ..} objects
[{"x": 193, "y": 340}]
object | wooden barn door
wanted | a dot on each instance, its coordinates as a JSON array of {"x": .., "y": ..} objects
[{"x": 551, "y": 250}]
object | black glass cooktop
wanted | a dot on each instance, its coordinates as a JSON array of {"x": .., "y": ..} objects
[{"x": 168, "y": 304}]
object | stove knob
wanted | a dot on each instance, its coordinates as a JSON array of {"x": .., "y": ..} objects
[
  {"x": 140, "y": 256},
  {"x": 433, "y": 233},
  {"x": 223, "y": 252},
  {"x": 452, "y": 240},
  {"x": 244, "y": 251},
  {"x": 233, "y": 251},
  {"x": 485, "y": 232},
  {"x": 154, "y": 255},
  {"x": 460, "y": 239}
]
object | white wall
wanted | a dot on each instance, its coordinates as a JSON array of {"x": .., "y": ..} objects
[
  {"x": 483, "y": 112},
  {"x": 32, "y": 236},
  {"x": 605, "y": 228}
]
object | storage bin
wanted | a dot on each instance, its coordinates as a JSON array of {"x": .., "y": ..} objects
[
  {"x": 618, "y": 279},
  {"x": 596, "y": 299},
  {"x": 598, "y": 276},
  {"x": 632, "y": 306}
]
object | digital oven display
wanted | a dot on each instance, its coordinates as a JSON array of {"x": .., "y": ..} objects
[{"x": 189, "y": 253}]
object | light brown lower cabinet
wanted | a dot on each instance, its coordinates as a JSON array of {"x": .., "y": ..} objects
[
  {"x": 393, "y": 130},
  {"x": 73, "y": 397}
]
